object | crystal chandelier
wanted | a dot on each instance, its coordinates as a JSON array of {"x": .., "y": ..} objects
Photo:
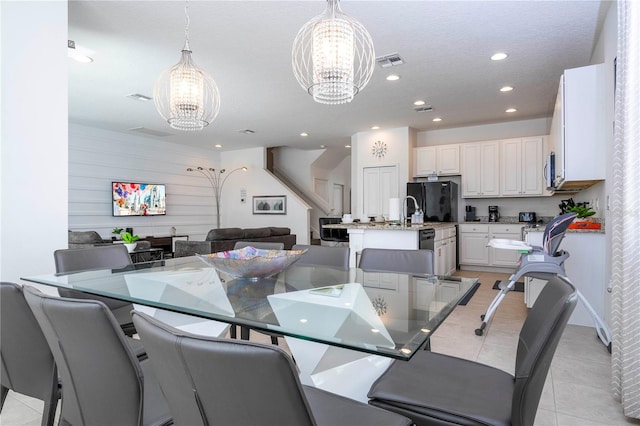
[
  {"x": 184, "y": 95},
  {"x": 333, "y": 56}
]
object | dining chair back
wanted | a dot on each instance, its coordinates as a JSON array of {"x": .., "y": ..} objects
[
  {"x": 391, "y": 260},
  {"x": 113, "y": 256},
  {"x": 103, "y": 382},
  {"x": 259, "y": 245},
  {"x": 437, "y": 389},
  {"x": 28, "y": 367},
  {"x": 232, "y": 382},
  {"x": 335, "y": 257}
]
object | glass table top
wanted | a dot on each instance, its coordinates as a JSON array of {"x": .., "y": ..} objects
[{"x": 381, "y": 313}]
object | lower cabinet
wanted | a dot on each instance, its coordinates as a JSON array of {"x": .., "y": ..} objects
[
  {"x": 444, "y": 251},
  {"x": 475, "y": 237}
]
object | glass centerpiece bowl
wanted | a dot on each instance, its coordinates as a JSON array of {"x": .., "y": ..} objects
[{"x": 250, "y": 262}]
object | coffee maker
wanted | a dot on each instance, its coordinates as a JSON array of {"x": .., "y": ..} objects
[
  {"x": 493, "y": 214},
  {"x": 470, "y": 213}
]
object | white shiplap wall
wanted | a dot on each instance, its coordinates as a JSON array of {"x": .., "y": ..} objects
[{"x": 97, "y": 157}]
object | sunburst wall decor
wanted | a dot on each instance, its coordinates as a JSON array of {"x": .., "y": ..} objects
[{"x": 379, "y": 149}]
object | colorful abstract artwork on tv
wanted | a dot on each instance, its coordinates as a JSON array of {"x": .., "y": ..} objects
[{"x": 138, "y": 199}]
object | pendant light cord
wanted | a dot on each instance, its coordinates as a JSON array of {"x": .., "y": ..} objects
[{"x": 186, "y": 26}]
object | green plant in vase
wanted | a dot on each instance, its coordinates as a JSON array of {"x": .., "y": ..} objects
[
  {"x": 116, "y": 232},
  {"x": 130, "y": 241}
]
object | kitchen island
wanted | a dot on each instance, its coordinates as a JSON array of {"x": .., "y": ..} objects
[{"x": 390, "y": 235}]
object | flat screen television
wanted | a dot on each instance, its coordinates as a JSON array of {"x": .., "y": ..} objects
[{"x": 138, "y": 199}]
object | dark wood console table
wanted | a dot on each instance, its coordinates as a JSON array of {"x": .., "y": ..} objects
[{"x": 165, "y": 242}]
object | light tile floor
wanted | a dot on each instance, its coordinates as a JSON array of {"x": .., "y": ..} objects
[{"x": 577, "y": 391}]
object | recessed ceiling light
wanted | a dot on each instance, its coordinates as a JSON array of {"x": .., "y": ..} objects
[
  {"x": 499, "y": 56},
  {"x": 437, "y": 119},
  {"x": 418, "y": 103},
  {"x": 218, "y": 145},
  {"x": 304, "y": 134},
  {"x": 347, "y": 146},
  {"x": 506, "y": 89},
  {"x": 375, "y": 127},
  {"x": 323, "y": 146},
  {"x": 510, "y": 110},
  {"x": 393, "y": 77}
]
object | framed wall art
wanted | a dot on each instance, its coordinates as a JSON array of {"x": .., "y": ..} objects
[{"x": 270, "y": 204}]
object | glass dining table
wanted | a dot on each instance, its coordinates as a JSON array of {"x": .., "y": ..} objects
[{"x": 366, "y": 317}]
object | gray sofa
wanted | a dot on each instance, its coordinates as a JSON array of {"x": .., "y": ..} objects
[
  {"x": 225, "y": 239},
  {"x": 85, "y": 239}
]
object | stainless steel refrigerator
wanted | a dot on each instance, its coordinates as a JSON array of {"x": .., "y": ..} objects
[{"x": 438, "y": 200}]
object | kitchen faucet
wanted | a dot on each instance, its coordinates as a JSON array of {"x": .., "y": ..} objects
[{"x": 404, "y": 206}]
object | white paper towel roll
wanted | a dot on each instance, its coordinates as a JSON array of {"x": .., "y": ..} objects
[{"x": 394, "y": 208}]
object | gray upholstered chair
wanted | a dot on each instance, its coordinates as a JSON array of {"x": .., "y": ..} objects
[
  {"x": 210, "y": 381},
  {"x": 335, "y": 257},
  {"x": 391, "y": 260},
  {"x": 109, "y": 256},
  {"x": 102, "y": 380},
  {"x": 259, "y": 245},
  {"x": 436, "y": 389},
  {"x": 27, "y": 363}
]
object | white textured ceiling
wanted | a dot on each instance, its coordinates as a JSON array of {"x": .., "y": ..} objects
[{"x": 246, "y": 47}]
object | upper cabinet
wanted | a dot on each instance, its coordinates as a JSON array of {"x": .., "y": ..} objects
[
  {"x": 522, "y": 167},
  {"x": 578, "y": 128},
  {"x": 480, "y": 169},
  {"x": 442, "y": 160},
  {"x": 503, "y": 168}
]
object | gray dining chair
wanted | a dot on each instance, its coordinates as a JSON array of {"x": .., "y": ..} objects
[
  {"x": 211, "y": 381},
  {"x": 103, "y": 381},
  {"x": 436, "y": 389},
  {"x": 110, "y": 256},
  {"x": 259, "y": 245},
  {"x": 392, "y": 260},
  {"x": 28, "y": 367},
  {"x": 335, "y": 257}
]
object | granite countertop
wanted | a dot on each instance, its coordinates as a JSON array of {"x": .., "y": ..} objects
[{"x": 388, "y": 226}]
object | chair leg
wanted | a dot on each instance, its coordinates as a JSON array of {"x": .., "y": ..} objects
[
  {"x": 244, "y": 332},
  {"x": 3, "y": 396},
  {"x": 51, "y": 402}
]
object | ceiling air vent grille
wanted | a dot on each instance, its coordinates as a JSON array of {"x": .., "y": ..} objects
[
  {"x": 423, "y": 108},
  {"x": 392, "y": 60}
]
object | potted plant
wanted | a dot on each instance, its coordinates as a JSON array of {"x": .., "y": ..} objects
[
  {"x": 130, "y": 241},
  {"x": 581, "y": 221},
  {"x": 117, "y": 233}
]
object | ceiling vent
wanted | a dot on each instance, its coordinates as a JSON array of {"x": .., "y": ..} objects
[
  {"x": 423, "y": 108},
  {"x": 149, "y": 132},
  {"x": 391, "y": 60},
  {"x": 246, "y": 131}
]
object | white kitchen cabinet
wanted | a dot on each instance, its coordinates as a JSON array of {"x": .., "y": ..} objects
[
  {"x": 522, "y": 167},
  {"x": 441, "y": 160},
  {"x": 480, "y": 169},
  {"x": 579, "y": 127},
  {"x": 473, "y": 244},
  {"x": 444, "y": 251},
  {"x": 379, "y": 185},
  {"x": 475, "y": 237}
]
